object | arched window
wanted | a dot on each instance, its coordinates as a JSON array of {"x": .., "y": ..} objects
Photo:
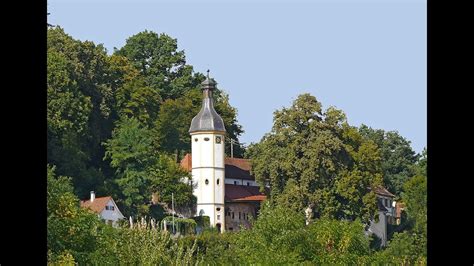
[
  {"x": 207, "y": 182},
  {"x": 201, "y": 212},
  {"x": 218, "y": 181}
]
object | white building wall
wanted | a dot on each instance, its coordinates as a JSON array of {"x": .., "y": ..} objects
[
  {"x": 208, "y": 164},
  {"x": 114, "y": 215}
]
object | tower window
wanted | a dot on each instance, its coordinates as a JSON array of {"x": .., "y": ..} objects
[
  {"x": 206, "y": 139},
  {"x": 235, "y": 182},
  {"x": 248, "y": 183},
  {"x": 239, "y": 216},
  {"x": 218, "y": 217},
  {"x": 232, "y": 215},
  {"x": 218, "y": 181},
  {"x": 218, "y": 139},
  {"x": 196, "y": 139},
  {"x": 207, "y": 182},
  {"x": 218, "y": 209}
]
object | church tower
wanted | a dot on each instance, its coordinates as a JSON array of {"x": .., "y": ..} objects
[{"x": 207, "y": 147}]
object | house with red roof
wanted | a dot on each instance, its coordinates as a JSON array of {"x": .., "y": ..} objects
[{"x": 104, "y": 207}]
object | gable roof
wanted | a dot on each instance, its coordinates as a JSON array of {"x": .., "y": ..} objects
[
  {"x": 97, "y": 205},
  {"x": 383, "y": 192},
  {"x": 238, "y": 193},
  {"x": 237, "y": 168}
]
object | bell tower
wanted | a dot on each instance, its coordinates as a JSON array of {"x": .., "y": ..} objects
[{"x": 207, "y": 147}]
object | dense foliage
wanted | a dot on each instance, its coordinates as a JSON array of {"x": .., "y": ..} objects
[
  {"x": 118, "y": 124},
  {"x": 314, "y": 157}
]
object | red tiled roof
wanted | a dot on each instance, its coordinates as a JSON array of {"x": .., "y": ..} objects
[
  {"x": 186, "y": 162},
  {"x": 243, "y": 193},
  {"x": 237, "y": 168},
  {"x": 97, "y": 205}
]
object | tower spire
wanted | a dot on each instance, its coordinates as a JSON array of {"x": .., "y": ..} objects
[{"x": 207, "y": 119}]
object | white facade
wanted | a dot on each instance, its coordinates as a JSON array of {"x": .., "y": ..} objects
[
  {"x": 111, "y": 214},
  {"x": 208, "y": 173}
]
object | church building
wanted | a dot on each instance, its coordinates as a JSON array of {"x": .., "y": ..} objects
[{"x": 224, "y": 188}]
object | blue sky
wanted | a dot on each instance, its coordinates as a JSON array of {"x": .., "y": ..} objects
[{"x": 367, "y": 58}]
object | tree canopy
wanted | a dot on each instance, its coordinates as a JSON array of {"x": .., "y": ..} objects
[
  {"x": 314, "y": 157},
  {"x": 118, "y": 124}
]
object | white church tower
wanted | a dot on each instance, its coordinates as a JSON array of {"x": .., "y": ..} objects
[{"x": 207, "y": 137}]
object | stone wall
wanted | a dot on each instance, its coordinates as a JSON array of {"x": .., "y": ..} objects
[{"x": 239, "y": 213}]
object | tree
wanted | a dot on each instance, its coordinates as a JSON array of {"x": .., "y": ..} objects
[
  {"x": 71, "y": 229},
  {"x": 142, "y": 170},
  {"x": 397, "y": 157},
  {"x": 171, "y": 128},
  {"x": 331, "y": 165},
  {"x": 415, "y": 196},
  {"x": 80, "y": 109},
  {"x": 159, "y": 61}
]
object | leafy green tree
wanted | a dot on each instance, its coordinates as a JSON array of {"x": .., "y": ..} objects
[
  {"x": 80, "y": 108},
  {"x": 159, "y": 61},
  {"x": 71, "y": 229},
  {"x": 407, "y": 247},
  {"x": 171, "y": 128},
  {"x": 332, "y": 166},
  {"x": 397, "y": 157},
  {"x": 142, "y": 171},
  {"x": 276, "y": 237},
  {"x": 336, "y": 242},
  {"x": 135, "y": 99},
  {"x": 415, "y": 196}
]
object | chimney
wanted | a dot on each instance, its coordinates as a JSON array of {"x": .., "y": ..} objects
[{"x": 92, "y": 196}]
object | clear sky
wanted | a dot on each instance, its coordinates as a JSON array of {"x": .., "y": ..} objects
[{"x": 367, "y": 58}]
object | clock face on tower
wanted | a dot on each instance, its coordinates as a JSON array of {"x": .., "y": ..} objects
[{"x": 218, "y": 139}]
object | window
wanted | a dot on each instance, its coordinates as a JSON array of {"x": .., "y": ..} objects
[
  {"x": 218, "y": 217},
  {"x": 239, "y": 216},
  {"x": 201, "y": 212},
  {"x": 206, "y": 139},
  {"x": 207, "y": 182},
  {"x": 218, "y": 139},
  {"x": 231, "y": 228},
  {"x": 232, "y": 215},
  {"x": 110, "y": 208},
  {"x": 218, "y": 209},
  {"x": 248, "y": 183},
  {"x": 386, "y": 202},
  {"x": 196, "y": 139},
  {"x": 235, "y": 182},
  {"x": 109, "y": 222},
  {"x": 218, "y": 181}
]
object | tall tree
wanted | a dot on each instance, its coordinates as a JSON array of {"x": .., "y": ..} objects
[
  {"x": 397, "y": 157},
  {"x": 73, "y": 109},
  {"x": 331, "y": 166},
  {"x": 159, "y": 61},
  {"x": 142, "y": 170}
]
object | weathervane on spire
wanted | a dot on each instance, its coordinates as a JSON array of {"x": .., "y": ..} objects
[{"x": 208, "y": 74}]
